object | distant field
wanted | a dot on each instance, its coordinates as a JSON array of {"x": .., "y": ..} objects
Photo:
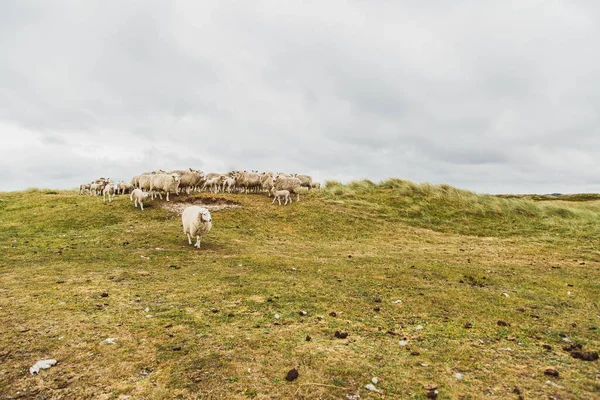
[{"x": 438, "y": 289}]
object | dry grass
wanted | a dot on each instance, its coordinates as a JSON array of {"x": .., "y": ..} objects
[{"x": 210, "y": 330}]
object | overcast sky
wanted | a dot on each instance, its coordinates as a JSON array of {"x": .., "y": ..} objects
[{"x": 490, "y": 96}]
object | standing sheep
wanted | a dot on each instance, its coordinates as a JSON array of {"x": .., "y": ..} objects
[
  {"x": 164, "y": 182},
  {"x": 139, "y": 197},
  {"x": 109, "y": 190},
  {"x": 278, "y": 194},
  {"x": 292, "y": 184},
  {"x": 196, "y": 222}
]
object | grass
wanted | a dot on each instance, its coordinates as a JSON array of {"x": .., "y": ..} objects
[{"x": 201, "y": 323}]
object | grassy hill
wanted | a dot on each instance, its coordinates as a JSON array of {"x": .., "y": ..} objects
[{"x": 427, "y": 281}]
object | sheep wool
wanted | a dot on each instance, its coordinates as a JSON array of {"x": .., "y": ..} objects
[{"x": 196, "y": 222}]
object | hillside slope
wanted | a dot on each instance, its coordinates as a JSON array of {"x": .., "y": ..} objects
[{"x": 427, "y": 281}]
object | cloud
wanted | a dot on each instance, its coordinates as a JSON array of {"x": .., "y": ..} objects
[{"x": 487, "y": 96}]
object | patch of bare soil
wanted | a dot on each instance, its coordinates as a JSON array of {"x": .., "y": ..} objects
[{"x": 180, "y": 203}]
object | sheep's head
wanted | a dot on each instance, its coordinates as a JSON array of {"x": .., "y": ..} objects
[
  {"x": 205, "y": 216},
  {"x": 175, "y": 177}
]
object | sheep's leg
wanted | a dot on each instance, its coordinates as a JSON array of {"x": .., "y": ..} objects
[
  {"x": 197, "y": 241},
  {"x": 273, "y": 202},
  {"x": 135, "y": 203},
  {"x": 141, "y": 205},
  {"x": 167, "y": 195},
  {"x": 189, "y": 238},
  {"x": 298, "y": 197}
]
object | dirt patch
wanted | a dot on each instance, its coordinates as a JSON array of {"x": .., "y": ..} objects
[{"x": 211, "y": 203}]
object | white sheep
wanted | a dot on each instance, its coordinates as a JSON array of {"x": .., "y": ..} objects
[
  {"x": 196, "y": 222},
  {"x": 139, "y": 197},
  {"x": 164, "y": 182},
  {"x": 109, "y": 190},
  {"x": 316, "y": 185},
  {"x": 279, "y": 194},
  {"x": 84, "y": 187},
  {"x": 292, "y": 184}
]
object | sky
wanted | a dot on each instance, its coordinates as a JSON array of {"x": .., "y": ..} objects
[{"x": 492, "y": 96}]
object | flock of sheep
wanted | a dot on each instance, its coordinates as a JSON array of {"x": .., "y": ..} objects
[{"x": 196, "y": 220}]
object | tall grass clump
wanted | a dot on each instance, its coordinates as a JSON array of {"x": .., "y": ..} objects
[{"x": 448, "y": 209}]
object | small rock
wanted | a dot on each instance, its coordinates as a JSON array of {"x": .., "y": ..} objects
[
  {"x": 104, "y": 294},
  {"x": 291, "y": 375},
  {"x": 468, "y": 325},
  {"x": 42, "y": 364},
  {"x": 374, "y": 380},
  {"x": 432, "y": 394},
  {"x": 332, "y": 314},
  {"x": 277, "y": 316},
  {"x": 503, "y": 323},
  {"x": 341, "y": 335},
  {"x": 516, "y": 390},
  {"x": 214, "y": 310},
  {"x": 176, "y": 348},
  {"x": 370, "y": 387},
  {"x": 308, "y": 338},
  {"x": 174, "y": 267},
  {"x": 377, "y": 309},
  {"x": 505, "y": 295},
  {"x": 125, "y": 243},
  {"x": 302, "y": 313},
  {"x": 551, "y": 372},
  {"x": 415, "y": 353},
  {"x": 458, "y": 376},
  {"x": 403, "y": 343},
  {"x": 547, "y": 347},
  {"x": 397, "y": 302},
  {"x": 377, "y": 300},
  {"x": 108, "y": 341},
  {"x": 418, "y": 328},
  {"x": 168, "y": 325}
]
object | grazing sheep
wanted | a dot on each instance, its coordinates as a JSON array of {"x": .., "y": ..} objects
[
  {"x": 292, "y": 184},
  {"x": 196, "y": 222},
  {"x": 279, "y": 194},
  {"x": 164, "y": 182},
  {"x": 316, "y": 185},
  {"x": 109, "y": 190},
  {"x": 137, "y": 196}
]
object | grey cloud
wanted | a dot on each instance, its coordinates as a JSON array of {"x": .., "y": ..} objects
[{"x": 480, "y": 95}]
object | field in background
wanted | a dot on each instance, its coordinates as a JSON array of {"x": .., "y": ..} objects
[{"x": 475, "y": 296}]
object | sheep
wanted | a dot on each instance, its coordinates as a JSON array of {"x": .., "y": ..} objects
[
  {"x": 144, "y": 181},
  {"x": 188, "y": 178},
  {"x": 164, "y": 182},
  {"x": 316, "y": 185},
  {"x": 266, "y": 182},
  {"x": 109, "y": 189},
  {"x": 212, "y": 184},
  {"x": 83, "y": 187},
  {"x": 137, "y": 196},
  {"x": 196, "y": 222},
  {"x": 123, "y": 187},
  {"x": 228, "y": 184},
  {"x": 305, "y": 179},
  {"x": 278, "y": 194},
  {"x": 247, "y": 180},
  {"x": 292, "y": 184}
]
